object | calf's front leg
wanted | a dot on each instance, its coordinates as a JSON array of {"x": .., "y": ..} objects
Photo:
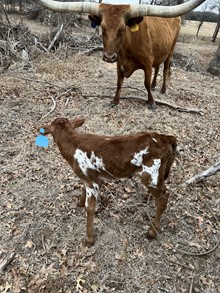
[{"x": 92, "y": 192}]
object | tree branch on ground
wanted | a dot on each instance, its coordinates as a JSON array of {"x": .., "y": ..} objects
[{"x": 201, "y": 176}]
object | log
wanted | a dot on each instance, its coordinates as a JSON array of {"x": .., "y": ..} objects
[{"x": 201, "y": 176}]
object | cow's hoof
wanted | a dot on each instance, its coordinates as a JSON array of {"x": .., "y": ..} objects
[
  {"x": 152, "y": 106},
  {"x": 114, "y": 103}
]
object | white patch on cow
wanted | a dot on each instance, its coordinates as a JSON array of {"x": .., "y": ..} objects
[
  {"x": 91, "y": 191},
  {"x": 153, "y": 171},
  {"x": 138, "y": 157},
  {"x": 85, "y": 163},
  {"x": 154, "y": 139}
]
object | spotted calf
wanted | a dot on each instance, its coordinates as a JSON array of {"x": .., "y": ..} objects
[{"x": 95, "y": 158}]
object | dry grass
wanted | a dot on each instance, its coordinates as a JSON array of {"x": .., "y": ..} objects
[{"x": 39, "y": 217}]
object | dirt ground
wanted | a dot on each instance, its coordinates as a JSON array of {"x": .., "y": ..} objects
[{"x": 40, "y": 221}]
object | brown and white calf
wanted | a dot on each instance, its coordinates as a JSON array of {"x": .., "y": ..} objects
[{"x": 94, "y": 158}]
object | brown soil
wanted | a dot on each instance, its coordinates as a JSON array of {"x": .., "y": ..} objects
[{"x": 39, "y": 218}]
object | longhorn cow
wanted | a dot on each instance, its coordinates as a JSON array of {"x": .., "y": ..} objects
[{"x": 132, "y": 37}]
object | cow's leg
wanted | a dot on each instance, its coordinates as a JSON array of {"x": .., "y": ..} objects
[
  {"x": 154, "y": 82},
  {"x": 161, "y": 196},
  {"x": 120, "y": 79},
  {"x": 166, "y": 74},
  {"x": 147, "y": 83},
  {"x": 82, "y": 197},
  {"x": 92, "y": 191}
]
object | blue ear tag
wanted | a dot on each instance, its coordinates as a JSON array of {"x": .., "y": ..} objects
[
  {"x": 41, "y": 140},
  {"x": 93, "y": 24}
]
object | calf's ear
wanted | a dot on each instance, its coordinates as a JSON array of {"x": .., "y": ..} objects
[{"x": 77, "y": 122}]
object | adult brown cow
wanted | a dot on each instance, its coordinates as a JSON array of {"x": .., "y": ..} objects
[{"x": 134, "y": 41}]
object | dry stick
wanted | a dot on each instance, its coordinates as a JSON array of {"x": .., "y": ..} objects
[
  {"x": 6, "y": 262},
  {"x": 51, "y": 110},
  {"x": 191, "y": 285},
  {"x": 218, "y": 239},
  {"x": 54, "y": 103},
  {"x": 163, "y": 103},
  {"x": 55, "y": 38},
  {"x": 201, "y": 176},
  {"x": 6, "y": 15},
  {"x": 37, "y": 80}
]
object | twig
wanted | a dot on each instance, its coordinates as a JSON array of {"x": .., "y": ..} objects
[
  {"x": 191, "y": 284},
  {"x": 55, "y": 38},
  {"x": 201, "y": 176},
  {"x": 51, "y": 110},
  {"x": 37, "y": 80},
  {"x": 6, "y": 16},
  {"x": 6, "y": 262},
  {"x": 182, "y": 265}
]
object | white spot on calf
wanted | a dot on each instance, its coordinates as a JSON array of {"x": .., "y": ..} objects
[
  {"x": 91, "y": 191},
  {"x": 154, "y": 139},
  {"x": 138, "y": 157},
  {"x": 85, "y": 163},
  {"x": 153, "y": 171}
]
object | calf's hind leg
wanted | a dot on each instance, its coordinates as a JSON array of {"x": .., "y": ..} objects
[
  {"x": 82, "y": 198},
  {"x": 160, "y": 195},
  {"x": 161, "y": 199}
]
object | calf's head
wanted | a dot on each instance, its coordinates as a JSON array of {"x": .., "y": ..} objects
[{"x": 60, "y": 124}]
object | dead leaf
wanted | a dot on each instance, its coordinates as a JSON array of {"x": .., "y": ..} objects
[
  {"x": 29, "y": 244},
  {"x": 79, "y": 280},
  {"x": 194, "y": 244},
  {"x": 7, "y": 287},
  {"x": 9, "y": 205}
]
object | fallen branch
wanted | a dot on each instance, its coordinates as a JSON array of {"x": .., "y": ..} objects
[
  {"x": 55, "y": 38},
  {"x": 201, "y": 176},
  {"x": 158, "y": 102},
  {"x": 5, "y": 262}
]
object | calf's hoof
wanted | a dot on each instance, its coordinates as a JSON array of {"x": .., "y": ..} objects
[{"x": 90, "y": 242}]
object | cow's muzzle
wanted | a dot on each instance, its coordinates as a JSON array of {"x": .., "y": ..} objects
[{"x": 110, "y": 58}]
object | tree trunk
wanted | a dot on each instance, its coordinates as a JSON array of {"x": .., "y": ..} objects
[
  {"x": 216, "y": 32},
  {"x": 214, "y": 65}
]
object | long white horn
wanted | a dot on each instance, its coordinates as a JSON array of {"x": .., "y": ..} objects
[
  {"x": 164, "y": 11},
  {"x": 82, "y": 7}
]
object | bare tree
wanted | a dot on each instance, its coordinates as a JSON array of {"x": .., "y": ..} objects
[
  {"x": 216, "y": 6},
  {"x": 214, "y": 65}
]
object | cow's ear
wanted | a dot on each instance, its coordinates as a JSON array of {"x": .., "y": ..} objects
[
  {"x": 95, "y": 19},
  {"x": 136, "y": 20}
]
